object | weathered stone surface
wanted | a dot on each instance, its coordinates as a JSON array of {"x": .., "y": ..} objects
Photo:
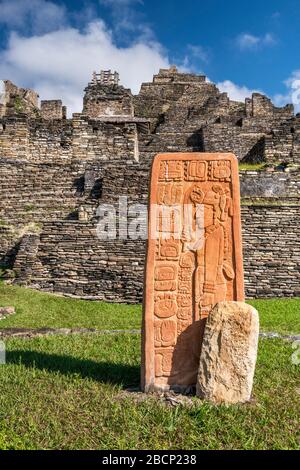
[
  {"x": 192, "y": 263},
  {"x": 228, "y": 355},
  {"x": 5, "y": 311}
]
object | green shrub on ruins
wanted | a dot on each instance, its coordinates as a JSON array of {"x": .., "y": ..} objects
[{"x": 18, "y": 105}]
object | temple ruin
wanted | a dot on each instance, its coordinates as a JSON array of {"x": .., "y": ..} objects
[{"x": 55, "y": 171}]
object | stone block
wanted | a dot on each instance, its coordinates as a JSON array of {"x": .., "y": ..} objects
[
  {"x": 228, "y": 355},
  {"x": 6, "y": 311}
]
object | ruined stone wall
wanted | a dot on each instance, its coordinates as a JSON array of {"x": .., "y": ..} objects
[
  {"x": 67, "y": 256},
  {"x": 282, "y": 144},
  {"x": 9, "y": 239},
  {"x": 224, "y": 138},
  {"x": 55, "y": 172},
  {"x": 276, "y": 184},
  {"x": 261, "y": 106},
  {"x": 107, "y": 100},
  {"x": 16, "y": 100},
  {"x": 82, "y": 138},
  {"x": 52, "y": 109},
  {"x": 71, "y": 259},
  {"x": 271, "y": 228},
  {"x": 189, "y": 113},
  {"x": 97, "y": 140},
  {"x": 271, "y": 250},
  {"x": 31, "y": 194}
]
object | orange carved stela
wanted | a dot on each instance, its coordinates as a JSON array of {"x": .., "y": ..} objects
[{"x": 194, "y": 260}]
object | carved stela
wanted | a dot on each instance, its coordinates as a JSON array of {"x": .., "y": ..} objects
[{"x": 194, "y": 260}]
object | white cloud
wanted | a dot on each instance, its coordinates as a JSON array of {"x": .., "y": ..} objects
[
  {"x": 198, "y": 52},
  {"x": 60, "y": 64},
  {"x": 2, "y": 92},
  {"x": 128, "y": 20},
  {"x": 39, "y": 16},
  {"x": 269, "y": 40},
  {"x": 292, "y": 94},
  {"x": 189, "y": 63},
  {"x": 57, "y": 60},
  {"x": 291, "y": 81},
  {"x": 248, "y": 41},
  {"x": 235, "y": 92}
]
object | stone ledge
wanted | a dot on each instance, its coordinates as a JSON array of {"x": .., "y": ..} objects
[{"x": 270, "y": 202}]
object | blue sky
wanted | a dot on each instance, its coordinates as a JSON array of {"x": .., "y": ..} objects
[{"x": 53, "y": 46}]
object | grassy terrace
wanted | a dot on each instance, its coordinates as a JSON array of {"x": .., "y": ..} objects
[
  {"x": 252, "y": 166},
  {"x": 38, "y": 310},
  {"x": 70, "y": 392}
]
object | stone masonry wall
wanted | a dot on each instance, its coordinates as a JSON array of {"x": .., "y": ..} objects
[
  {"x": 14, "y": 100},
  {"x": 271, "y": 250},
  {"x": 52, "y": 109},
  {"x": 281, "y": 185},
  {"x": 56, "y": 140},
  {"x": 68, "y": 257},
  {"x": 107, "y": 100},
  {"x": 71, "y": 259},
  {"x": 34, "y": 193},
  {"x": 224, "y": 138},
  {"x": 283, "y": 143},
  {"x": 188, "y": 113}
]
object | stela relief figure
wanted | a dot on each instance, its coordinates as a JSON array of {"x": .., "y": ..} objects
[
  {"x": 210, "y": 208},
  {"x": 193, "y": 266}
]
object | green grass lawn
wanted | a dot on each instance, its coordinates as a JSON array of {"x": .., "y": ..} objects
[
  {"x": 252, "y": 166},
  {"x": 68, "y": 393},
  {"x": 279, "y": 315},
  {"x": 38, "y": 310}
]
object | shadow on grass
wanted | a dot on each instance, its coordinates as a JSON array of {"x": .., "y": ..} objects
[{"x": 107, "y": 372}]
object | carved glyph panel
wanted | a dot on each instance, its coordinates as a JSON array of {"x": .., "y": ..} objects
[{"x": 194, "y": 260}]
